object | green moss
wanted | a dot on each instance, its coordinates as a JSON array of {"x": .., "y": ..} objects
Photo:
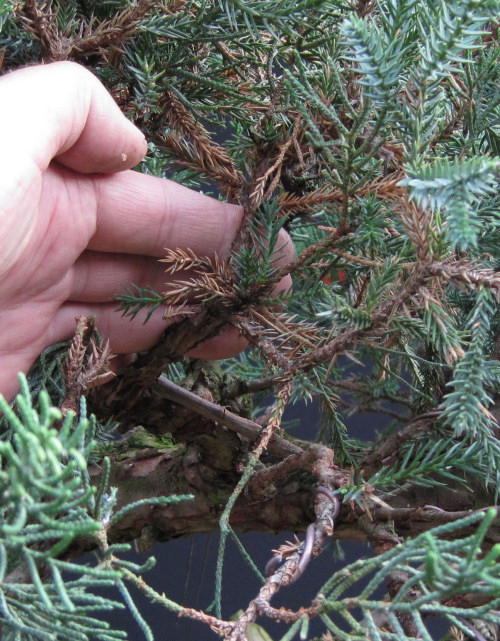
[{"x": 140, "y": 437}]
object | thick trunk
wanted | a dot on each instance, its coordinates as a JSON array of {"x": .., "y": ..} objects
[
  {"x": 179, "y": 451},
  {"x": 280, "y": 496}
]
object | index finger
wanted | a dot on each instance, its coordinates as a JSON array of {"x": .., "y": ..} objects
[{"x": 62, "y": 110}]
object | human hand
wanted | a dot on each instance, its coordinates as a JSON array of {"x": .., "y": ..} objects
[{"x": 78, "y": 225}]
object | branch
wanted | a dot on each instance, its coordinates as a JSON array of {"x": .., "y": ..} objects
[
  {"x": 380, "y": 317},
  {"x": 468, "y": 273},
  {"x": 243, "y": 426}
]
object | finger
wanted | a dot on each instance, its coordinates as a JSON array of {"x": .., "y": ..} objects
[
  {"x": 134, "y": 213},
  {"x": 63, "y": 110},
  {"x": 127, "y": 336},
  {"x": 227, "y": 344},
  {"x": 99, "y": 277},
  {"x": 140, "y": 214}
]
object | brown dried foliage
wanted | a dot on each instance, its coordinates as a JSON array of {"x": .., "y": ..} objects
[
  {"x": 202, "y": 154},
  {"x": 262, "y": 186},
  {"x": 41, "y": 22},
  {"x": 88, "y": 364},
  {"x": 386, "y": 188},
  {"x": 418, "y": 225},
  {"x": 210, "y": 279},
  {"x": 108, "y": 37},
  {"x": 256, "y": 337},
  {"x": 104, "y": 39},
  {"x": 465, "y": 273},
  {"x": 278, "y": 336}
]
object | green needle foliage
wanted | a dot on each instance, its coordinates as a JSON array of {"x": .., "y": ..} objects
[{"x": 369, "y": 131}]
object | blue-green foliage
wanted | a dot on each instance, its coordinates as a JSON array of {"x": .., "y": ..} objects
[
  {"x": 380, "y": 120},
  {"x": 424, "y": 463},
  {"x": 434, "y": 568},
  {"x": 435, "y": 42},
  {"x": 474, "y": 380},
  {"x": 455, "y": 187},
  {"x": 380, "y": 49},
  {"x": 46, "y": 505},
  {"x": 447, "y": 30},
  {"x": 483, "y": 82}
]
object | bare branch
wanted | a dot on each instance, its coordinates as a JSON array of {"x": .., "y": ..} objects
[{"x": 243, "y": 426}]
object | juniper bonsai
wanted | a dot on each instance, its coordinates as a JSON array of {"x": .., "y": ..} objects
[{"x": 370, "y": 131}]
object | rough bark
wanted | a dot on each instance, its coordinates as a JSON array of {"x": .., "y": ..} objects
[
  {"x": 206, "y": 461},
  {"x": 177, "y": 451}
]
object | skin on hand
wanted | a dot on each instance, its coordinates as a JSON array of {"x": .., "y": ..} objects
[{"x": 78, "y": 224}]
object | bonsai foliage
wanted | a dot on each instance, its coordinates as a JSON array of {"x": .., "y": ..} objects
[
  {"x": 47, "y": 503},
  {"x": 370, "y": 132}
]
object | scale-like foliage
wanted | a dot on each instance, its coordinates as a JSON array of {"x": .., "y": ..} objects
[
  {"x": 46, "y": 505},
  {"x": 435, "y": 569}
]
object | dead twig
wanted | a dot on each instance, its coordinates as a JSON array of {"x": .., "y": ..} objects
[
  {"x": 87, "y": 364},
  {"x": 290, "y": 561},
  {"x": 243, "y": 426}
]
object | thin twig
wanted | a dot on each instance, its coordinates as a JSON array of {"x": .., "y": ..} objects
[
  {"x": 290, "y": 560},
  {"x": 243, "y": 426}
]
